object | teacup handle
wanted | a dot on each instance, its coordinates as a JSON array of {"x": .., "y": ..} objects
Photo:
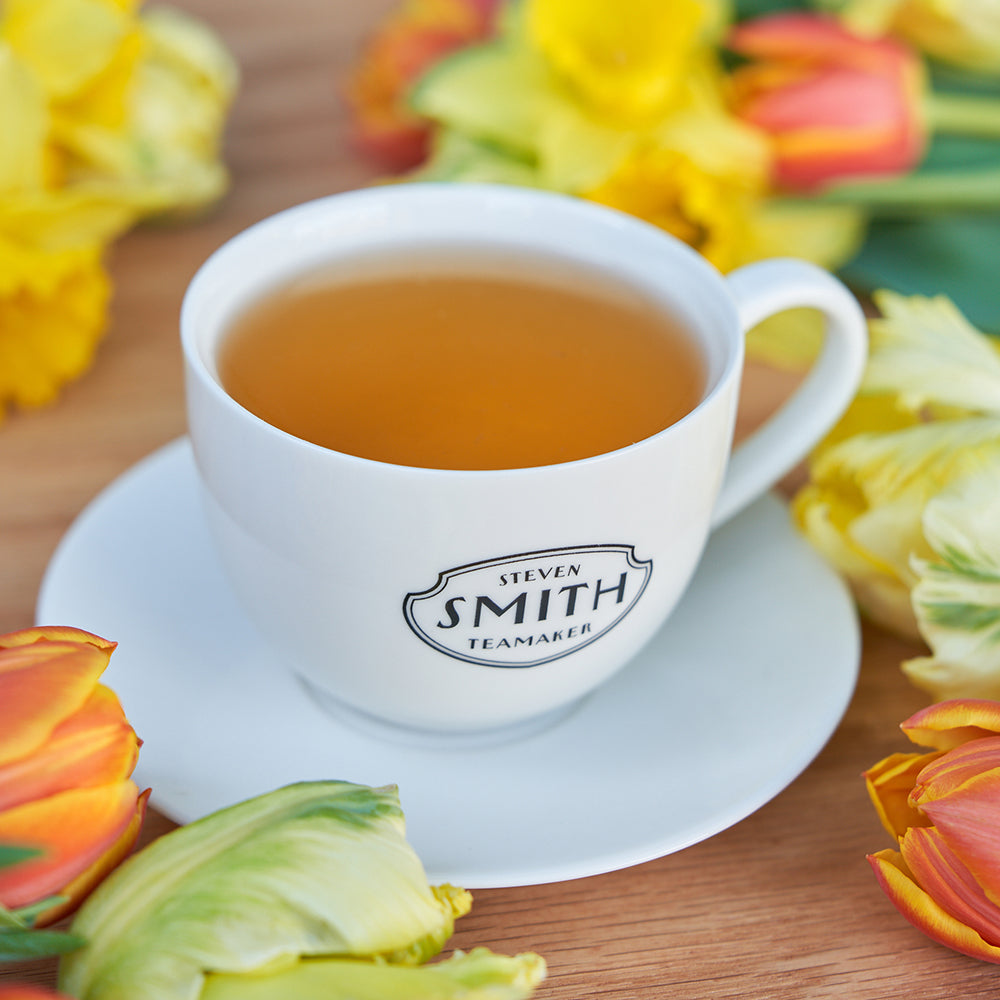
[{"x": 760, "y": 290}]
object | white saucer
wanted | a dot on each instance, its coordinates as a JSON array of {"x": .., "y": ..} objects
[{"x": 728, "y": 704}]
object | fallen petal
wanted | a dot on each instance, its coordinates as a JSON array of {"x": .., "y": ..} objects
[
  {"x": 73, "y": 829},
  {"x": 923, "y": 912}
]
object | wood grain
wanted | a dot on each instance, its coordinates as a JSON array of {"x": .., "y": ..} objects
[{"x": 783, "y": 905}]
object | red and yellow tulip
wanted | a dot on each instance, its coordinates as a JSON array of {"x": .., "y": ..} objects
[
  {"x": 835, "y": 104},
  {"x": 66, "y": 756},
  {"x": 944, "y": 809},
  {"x": 412, "y": 38}
]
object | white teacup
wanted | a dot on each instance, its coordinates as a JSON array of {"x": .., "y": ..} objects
[{"x": 472, "y": 601}]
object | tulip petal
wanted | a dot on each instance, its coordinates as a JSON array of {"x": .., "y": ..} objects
[
  {"x": 889, "y": 785},
  {"x": 957, "y": 769},
  {"x": 835, "y": 103},
  {"x": 73, "y": 829},
  {"x": 950, "y": 723},
  {"x": 969, "y": 818},
  {"x": 941, "y": 873},
  {"x": 957, "y": 596},
  {"x": 923, "y": 912},
  {"x": 41, "y": 683},
  {"x": 54, "y": 633},
  {"x": 76, "y": 891},
  {"x": 94, "y": 746}
]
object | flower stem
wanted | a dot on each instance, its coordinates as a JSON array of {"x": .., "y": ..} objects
[
  {"x": 941, "y": 190},
  {"x": 963, "y": 114}
]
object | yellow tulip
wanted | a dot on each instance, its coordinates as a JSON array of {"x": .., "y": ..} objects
[
  {"x": 964, "y": 33},
  {"x": 957, "y": 595},
  {"x": 926, "y": 423}
]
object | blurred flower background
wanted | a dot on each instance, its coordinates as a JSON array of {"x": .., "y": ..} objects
[
  {"x": 863, "y": 135},
  {"x": 110, "y": 115}
]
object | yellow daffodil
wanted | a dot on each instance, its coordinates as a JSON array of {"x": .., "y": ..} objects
[
  {"x": 108, "y": 115},
  {"x": 626, "y": 106},
  {"x": 961, "y": 32},
  {"x": 53, "y": 310},
  {"x": 700, "y": 181},
  {"x": 626, "y": 60},
  {"x": 927, "y": 418}
]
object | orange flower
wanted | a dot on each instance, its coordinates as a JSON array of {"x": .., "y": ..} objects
[
  {"x": 414, "y": 37},
  {"x": 66, "y": 756},
  {"x": 836, "y": 105},
  {"x": 943, "y": 807}
]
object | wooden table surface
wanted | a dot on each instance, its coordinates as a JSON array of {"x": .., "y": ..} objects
[{"x": 783, "y": 905}]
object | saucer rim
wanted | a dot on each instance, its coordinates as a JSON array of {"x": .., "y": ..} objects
[{"x": 176, "y": 456}]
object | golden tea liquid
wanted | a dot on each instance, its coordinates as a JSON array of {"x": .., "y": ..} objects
[{"x": 462, "y": 363}]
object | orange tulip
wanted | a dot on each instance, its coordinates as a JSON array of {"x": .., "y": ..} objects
[
  {"x": 66, "y": 756},
  {"x": 943, "y": 807},
  {"x": 836, "y": 105},
  {"x": 413, "y": 38}
]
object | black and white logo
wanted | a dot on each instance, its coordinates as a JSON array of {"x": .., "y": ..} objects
[{"x": 531, "y": 608}]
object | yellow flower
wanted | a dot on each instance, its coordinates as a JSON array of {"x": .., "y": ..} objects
[
  {"x": 53, "y": 310},
  {"x": 928, "y": 417},
  {"x": 107, "y": 117},
  {"x": 626, "y": 59},
  {"x": 133, "y": 103},
  {"x": 957, "y": 595},
  {"x": 700, "y": 182}
]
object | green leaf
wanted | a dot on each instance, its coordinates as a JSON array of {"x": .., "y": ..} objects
[
  {"x": 18, "y": 944},
  {"x": 317, "y": 868},
  {"x": 745, "y": 9},
  {"x": 956, "y": 255},
  {"x": 11, "y": 855}
]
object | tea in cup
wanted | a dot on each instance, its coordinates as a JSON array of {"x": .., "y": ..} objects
[{"x": 461, "y": 446}]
